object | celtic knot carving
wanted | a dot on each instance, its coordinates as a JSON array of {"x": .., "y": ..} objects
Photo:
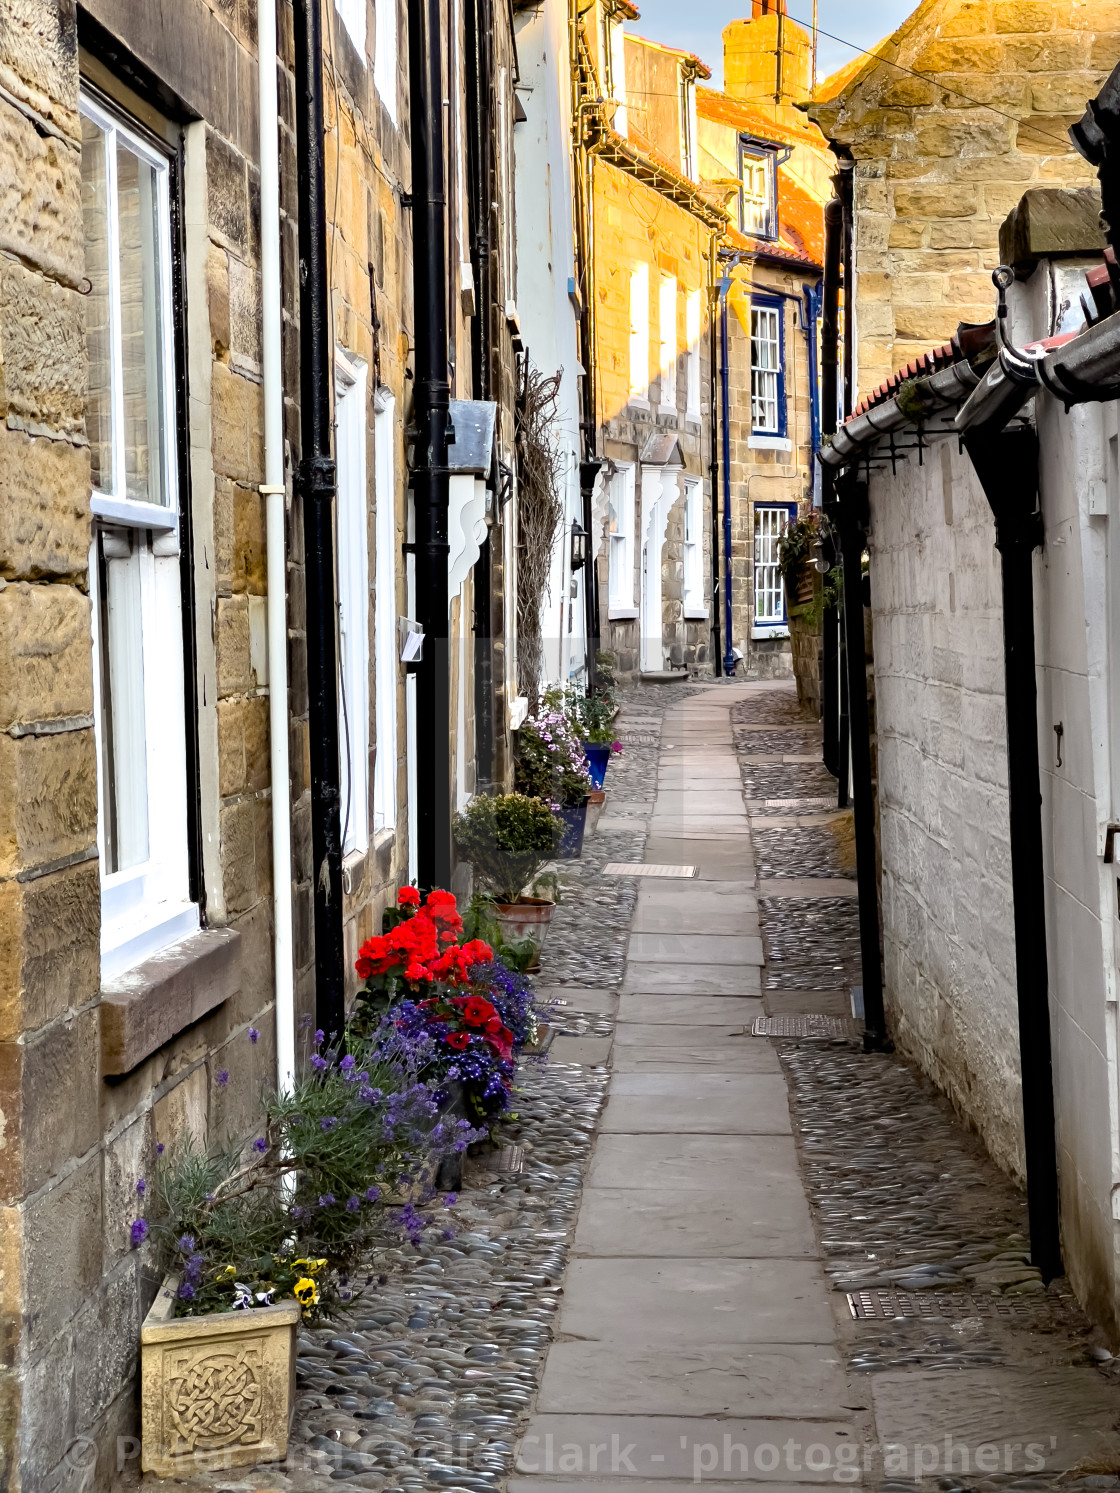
[{"x": 214, "y": 1399}]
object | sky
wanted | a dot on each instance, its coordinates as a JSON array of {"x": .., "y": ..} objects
[{"x": 697, "y": 27}]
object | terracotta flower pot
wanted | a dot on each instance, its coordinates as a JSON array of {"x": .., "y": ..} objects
[
  {"x": 595, "y": 801},
  {"x": 218, "y": 1390},
  {"x": 528, "y": 917}
]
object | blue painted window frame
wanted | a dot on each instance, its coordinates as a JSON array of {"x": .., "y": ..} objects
[{"x": 776, "y": 304}]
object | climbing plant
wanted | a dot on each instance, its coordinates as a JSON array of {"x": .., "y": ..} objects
[{"x": 540, "y": 515}]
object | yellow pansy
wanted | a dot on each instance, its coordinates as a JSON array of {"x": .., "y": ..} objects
[
  {"x": 306, "y": 1291},
  {"x": 312, "y": 1267}
]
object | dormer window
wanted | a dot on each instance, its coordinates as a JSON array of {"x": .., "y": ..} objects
[{"x": 758, "y": 197}]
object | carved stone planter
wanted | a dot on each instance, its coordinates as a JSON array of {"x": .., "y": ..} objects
[{"x": 217, "y": 1391}]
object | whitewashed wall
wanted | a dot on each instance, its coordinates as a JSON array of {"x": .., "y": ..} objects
[
  {"x": 947, "y": 910},
  {"x": 949, "y": 964}
]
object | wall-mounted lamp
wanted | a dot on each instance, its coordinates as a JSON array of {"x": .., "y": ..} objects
[{"x": 579, "y": 546}]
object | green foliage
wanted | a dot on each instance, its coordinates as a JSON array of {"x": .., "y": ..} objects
[
  {"x": 507, "y": 840},
  {"x": 305, "y": 1200},
  {"x": 594, "y": 715}
]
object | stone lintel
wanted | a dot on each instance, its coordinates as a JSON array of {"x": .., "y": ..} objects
[
  {"x": 1051, "y": 223},
  {"x": 145, "y": 1007}
]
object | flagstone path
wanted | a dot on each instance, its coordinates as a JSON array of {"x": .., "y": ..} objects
[{"x": 696, "y": 1335}]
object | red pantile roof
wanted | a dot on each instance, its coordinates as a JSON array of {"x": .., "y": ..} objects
[{"x": 718, "y": 108}]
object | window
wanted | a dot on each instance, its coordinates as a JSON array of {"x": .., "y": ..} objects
[
  {"x": 768, "y": 408},
  {"x": 137, "y": 622},
  {"x": 770, "y": 523},
  {"x": 757, "y": 210},
  {"x": 692, "y": 334},
  {"x": 353, "y": 599},
  {"x": 620, "y": 527},
  {"x": 385, "y": 614},
  {"x": 694, "y": 604},
  {"x": 385, "y": 54},
  {"x": 353, "y": 13},
  {"x": 639, "y": 333},
  {"x": 667, "y": 326}
]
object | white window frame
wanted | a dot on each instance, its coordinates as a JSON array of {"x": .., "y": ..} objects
[
  {"x": 353, "y": 16},
  {"x": 639, "y": 336},
  {"x": 694, "y": 602},
  {"x": 770, "y": 618},
  {"x": 385, "y": 613},
  {"x": 766, "y": 365},
  {"x": 352, "y": 550},
  {"x": 622, "y": 498},
  {"x": 145, "y": 906},
  {"x": 385, "y": 54},
  {"x": 693, "y": 324},
  {"x": 756, "y": 174},
  {"x": 667, "y": 330}
]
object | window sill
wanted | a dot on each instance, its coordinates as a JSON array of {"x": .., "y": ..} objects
[
  {"x": 142, "y": 1009},
  {"x": 636, "y": 402},
  {"x": 621, "y": 614},
  {"x": 769, "y": 443},
  {"x": 696, "y": 614},
  {"x": 781, "y": 631},
  {"x": 669, "y": 409}
]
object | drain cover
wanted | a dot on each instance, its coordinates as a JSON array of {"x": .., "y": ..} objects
[
  {"x": 641, "y": 868},
  {"x": 888, "y": 1305},
  {"x": 634, "y": 738},
  {"x": 806, "y": 1026},
  {"x": 508, "y": 1159},
  {"x": 798, "y": 803}
]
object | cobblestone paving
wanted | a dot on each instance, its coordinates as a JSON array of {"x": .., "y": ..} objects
[
  {"x": 798, "y": 852},
  {"x": 906, "y": 1199},
  {"x": 423, "y": 1385}
]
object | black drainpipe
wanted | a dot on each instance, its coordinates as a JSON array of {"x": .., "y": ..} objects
[
  {"x": 830, "y": 360},
  {"x": 429, "y": 474},
  {"x": 1007, "y": 466},
  {"x": 479, "y": 157},
  {"x": 851, "y": 518},
  {"x": 588, "y": 472},
  {"x": 315, "y": 482}
]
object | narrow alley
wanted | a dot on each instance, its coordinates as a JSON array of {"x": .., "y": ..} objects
[{"x": 705, "y": 1255}]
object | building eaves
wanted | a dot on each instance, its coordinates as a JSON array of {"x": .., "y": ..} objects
[
  {"x": 651, "y": 168},
  {"x": 940, "y": 380}
]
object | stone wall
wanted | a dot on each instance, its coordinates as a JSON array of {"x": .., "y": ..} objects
[
  {"x": 949, "y": 955},
  {"x": 636, "y": 225},
  {"x": 760, "y": 475},
  {"x": 936, "y": 173}
]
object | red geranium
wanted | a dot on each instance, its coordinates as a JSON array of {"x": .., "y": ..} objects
[
  {"x": 477, "y": 1011},
  {"x": 408, "y": 896}
]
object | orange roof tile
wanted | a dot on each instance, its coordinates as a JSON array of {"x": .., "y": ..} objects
[
  {"x": 718, "y": 108},
  {"x": 800, "y": 217}
]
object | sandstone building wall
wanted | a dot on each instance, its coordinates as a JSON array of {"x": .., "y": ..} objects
[{"x": 957, "y": 114}]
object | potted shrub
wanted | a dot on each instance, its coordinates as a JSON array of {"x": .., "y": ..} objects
[
  {"x": 507, "y": 840},
  {"x": 551, "y": 766},
  {"x": 253, "y": 1240},
  {"x": 594, "y": 714}
]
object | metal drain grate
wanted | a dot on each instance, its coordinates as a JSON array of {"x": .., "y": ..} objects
[
  {"x": 510, "y": 1160},
  {"x": 889, "y": 1305},
  {"x": 798, "y": 803},
  {"x": 635, "y": 738},
  {"x": 806, "y": 1026},
  {"x": 641, "y": 868}
]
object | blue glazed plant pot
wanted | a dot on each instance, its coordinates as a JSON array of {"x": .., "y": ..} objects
[
  {"x": 598, "y": 754},
  {"x": 573, "y": 821}
]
